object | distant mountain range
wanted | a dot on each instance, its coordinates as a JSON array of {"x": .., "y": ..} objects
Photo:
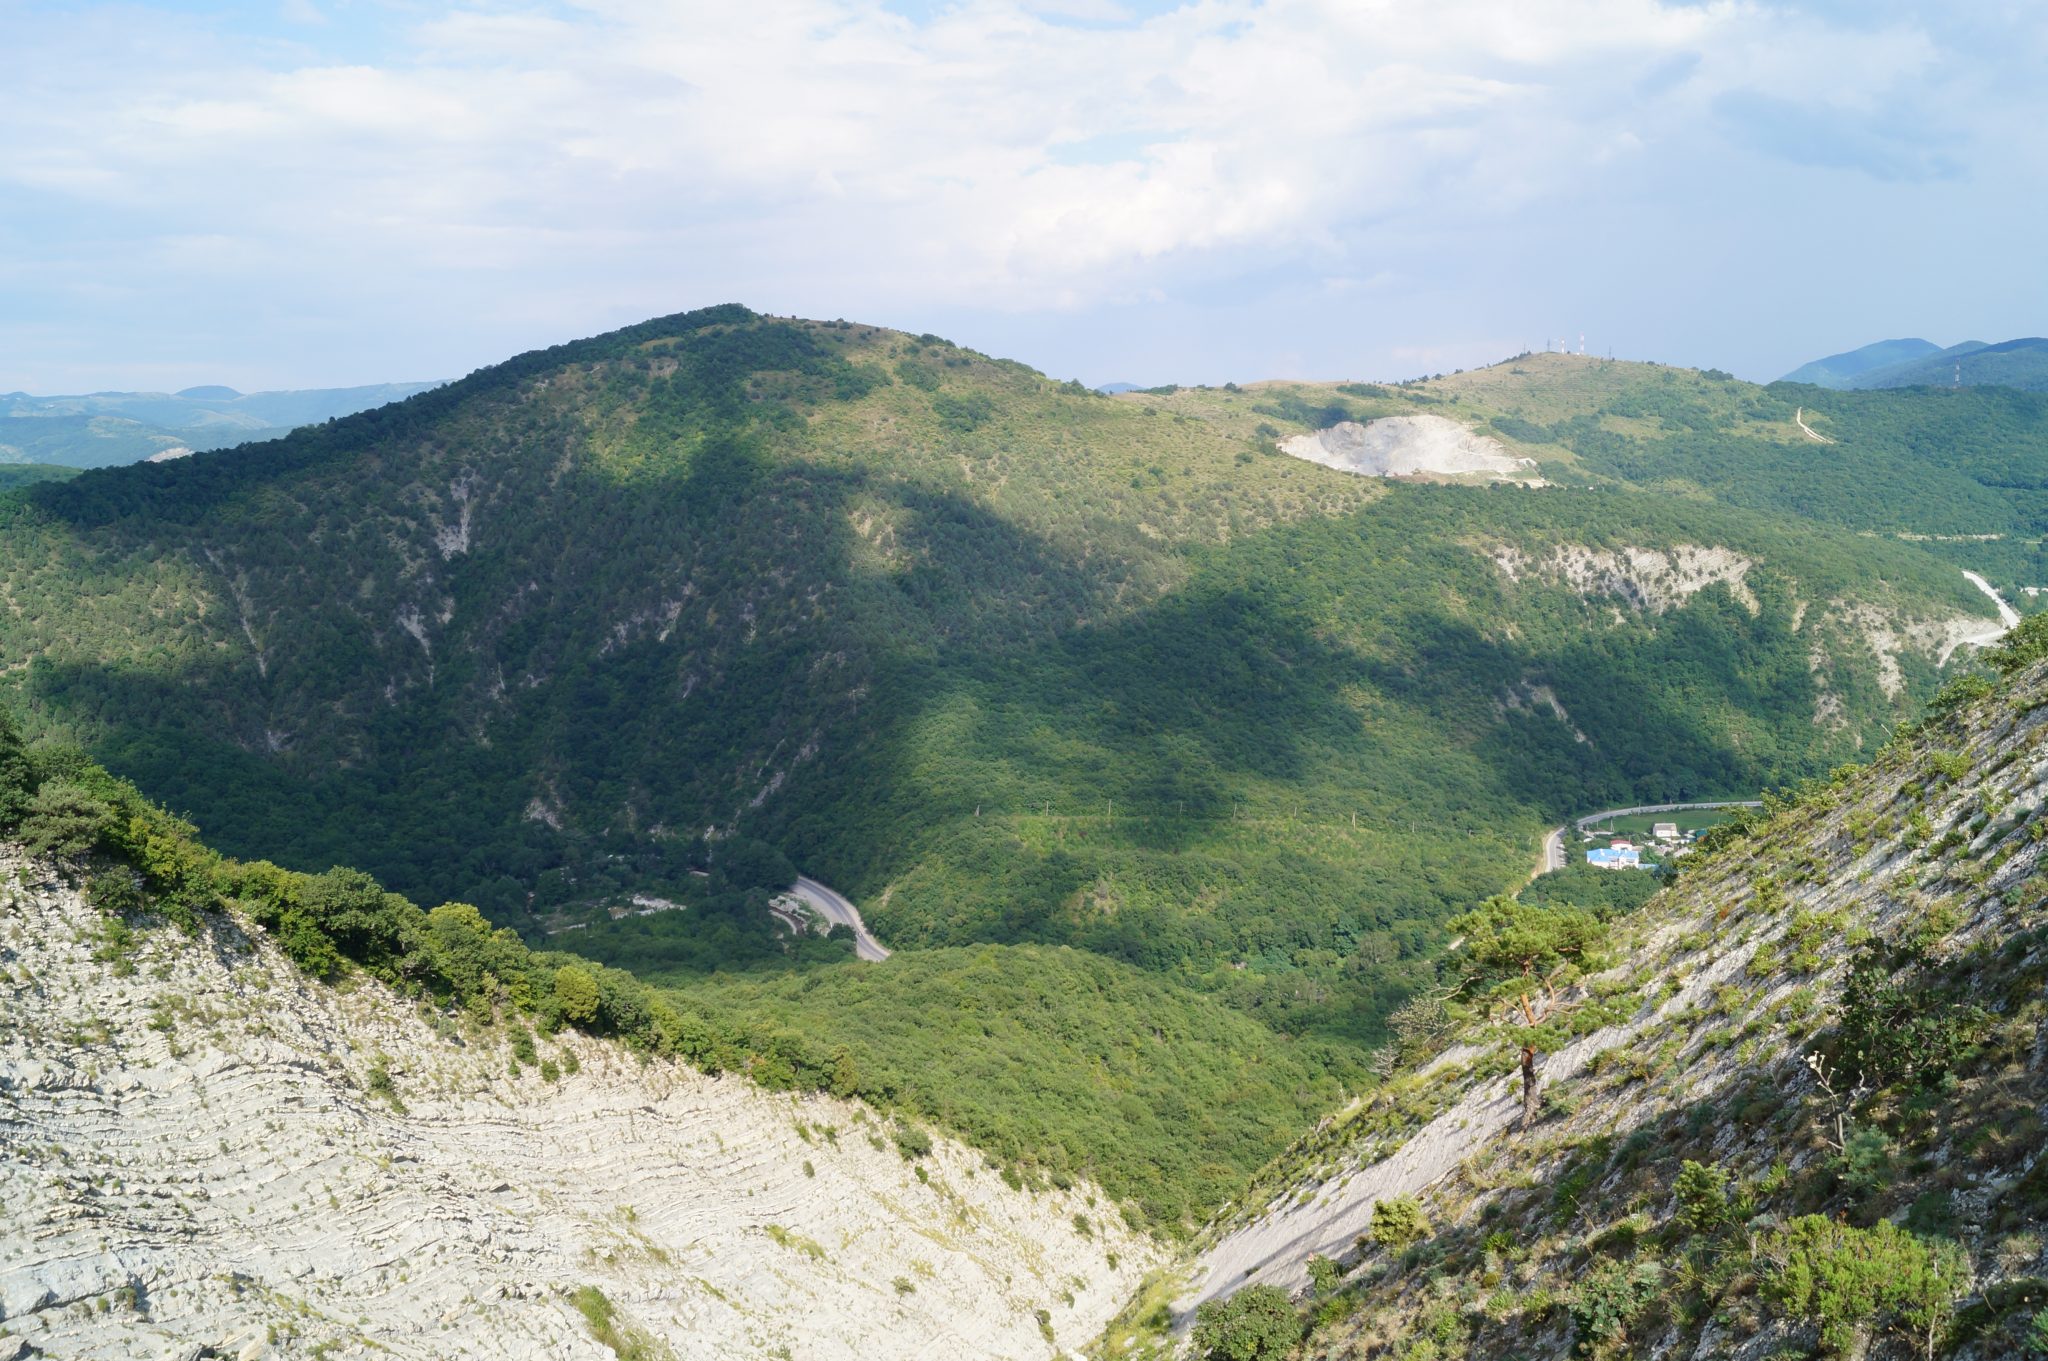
[
  {"x": 1915, "y": 362},
  {"x": 102, "y": 429}
]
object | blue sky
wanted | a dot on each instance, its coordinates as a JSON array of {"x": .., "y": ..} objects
[{"x": 322, "y": 192}]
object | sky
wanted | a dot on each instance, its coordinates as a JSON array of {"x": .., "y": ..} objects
[{"x": 330, "y": 192}]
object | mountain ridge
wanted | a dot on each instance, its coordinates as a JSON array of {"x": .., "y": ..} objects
[
  {"x": 107, "y": 429},
  {"x": 2019, "y": 363}
]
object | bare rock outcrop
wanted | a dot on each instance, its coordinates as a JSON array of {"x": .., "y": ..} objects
[
  {"x": 199, "y": 1148},
  {"x": 1410, "y": 446}
]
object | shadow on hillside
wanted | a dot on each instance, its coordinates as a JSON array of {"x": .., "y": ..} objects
[{"x": 717, "y": 643}]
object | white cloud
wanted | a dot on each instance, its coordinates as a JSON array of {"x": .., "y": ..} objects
[{"x": 833, "y": 146}]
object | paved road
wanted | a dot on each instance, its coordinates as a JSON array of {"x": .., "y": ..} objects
[
  {"x": 2007, "y": 615},
  {"x": 1602, "y": 816},
  {"x": 840, "y": 912}
]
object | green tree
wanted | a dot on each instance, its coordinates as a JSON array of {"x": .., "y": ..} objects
[
  {"x": 845, "y": 1072},
  {"x": 1256, "y": 1323},
  {"x": 1535, "y": 953},
  {"x": 15, "y": 771},
  {"x": 1504, "y": 937},
  {"x": 576, "y": 994},
  {"x": 65, "y": 818}
]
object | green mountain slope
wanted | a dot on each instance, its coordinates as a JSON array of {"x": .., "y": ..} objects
[
  {"x": 1793, "y": 1106},
  {"x": 2021, "y": 363},
  {"x": 1006, "y": 659},
  {"x": 1957, "y": 472},
  {"x": 13, "y": 475}
]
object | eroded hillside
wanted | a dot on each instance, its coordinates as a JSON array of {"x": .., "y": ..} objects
[
  {"x": 1793, "y": 1106},
  {"x": 202, "y": 1148}
]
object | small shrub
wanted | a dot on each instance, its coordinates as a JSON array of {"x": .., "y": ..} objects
[
  {"x": 116, "y": 892},
  {"x": 1848, "y": 1281},
  {"x": 1256, "y": 1323},
  {"x": 379, "y": 1084},
  {"x": 796, "y": 1242},
  {"x": 1865, "y": 1162},
  {"x": 1702, "y": 1191},
  {"x": 1933, "y": 1213},
  {"x": 1897, "y": 1030},
  {"x": 1610, "y": 1297},
  {"x": 626, "y": 1342},
  {"x": 1397, "y": 1223},
  {"x": 911, "y": 1142}
]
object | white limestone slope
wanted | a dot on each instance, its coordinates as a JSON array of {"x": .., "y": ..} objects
[
  {"x": 191, "y": 1158},
  {"x": 1410, "y": 446}
]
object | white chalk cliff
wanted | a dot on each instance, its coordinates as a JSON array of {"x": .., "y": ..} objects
[{"x": 195, "y": 1160}]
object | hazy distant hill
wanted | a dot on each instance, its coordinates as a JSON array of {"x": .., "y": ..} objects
[
  {"x": 1845, "y": 369},
  {"x": 2021, "y": 363},
  {"x": 103, "y": 429}
]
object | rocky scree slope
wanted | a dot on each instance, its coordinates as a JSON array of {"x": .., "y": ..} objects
[
  {"x": 1801, "y": 1113},
  {"x": 202, "y": 1153}
]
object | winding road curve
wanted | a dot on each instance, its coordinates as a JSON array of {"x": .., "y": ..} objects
[
  {"x": 2007, "y": 615},
  {"x": 836, "y": 909}
]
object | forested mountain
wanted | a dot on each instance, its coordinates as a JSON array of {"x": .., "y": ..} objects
[
  {"x": 104, "y": 429},
  {"x": 1011, "y": 662},
  {"x": 2021, "y": 363}
]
